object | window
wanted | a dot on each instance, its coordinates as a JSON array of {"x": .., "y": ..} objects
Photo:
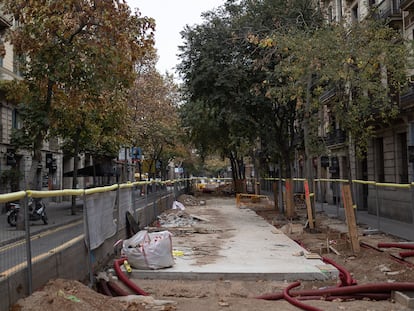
[
  {"x": 355, "y": 14},
  {"x": 330, "y": 14},
  {"x": 16, "y": 121}
]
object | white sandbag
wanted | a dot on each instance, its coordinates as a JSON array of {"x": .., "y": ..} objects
[
  {"x": 149, "y": 250},
  {"x": 178, "y": 205}
]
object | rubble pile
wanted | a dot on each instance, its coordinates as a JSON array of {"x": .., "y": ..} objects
[
  {"x": 189, "y": 200},
  {"x": 176, "y": 218}
]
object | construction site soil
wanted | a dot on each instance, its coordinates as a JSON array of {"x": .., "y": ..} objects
[{"x": 371, "y": 265}]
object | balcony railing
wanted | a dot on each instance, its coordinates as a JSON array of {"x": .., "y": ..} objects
[
  {"x": 389, "y": 9},
  {"x": 335, "y": 137},
  {"x": 327, "y": 95},
  {"x": 407, "y": 5}
]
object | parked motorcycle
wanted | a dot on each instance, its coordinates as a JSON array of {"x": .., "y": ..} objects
[{"x": 37, "y": 211}]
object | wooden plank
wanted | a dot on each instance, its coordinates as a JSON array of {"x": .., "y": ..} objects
[
  {"x": 334, "y": 250},
  {"x": 238, "y": 200},
  {"x": 350, "y": 217},
  {"x": 312, "y": 256},
  {"x": 308, "y": 205}
]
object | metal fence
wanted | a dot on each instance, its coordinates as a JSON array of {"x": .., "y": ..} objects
[{"x": 78, "y": 237}]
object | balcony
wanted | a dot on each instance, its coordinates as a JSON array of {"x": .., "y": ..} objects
[
  {"x": 407, "y": 5},
  {"x": 336, "y": 137},
  {"x": 327, "y": 95},
  {"x": 4, "y": 23},
  {"x": 391, "y": 10}
]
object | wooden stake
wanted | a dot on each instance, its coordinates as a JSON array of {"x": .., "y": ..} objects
[
  {"x": 308, "y": 205},
  {"x": 350, "y": 217},
  {"x": 290, "y": 212}
]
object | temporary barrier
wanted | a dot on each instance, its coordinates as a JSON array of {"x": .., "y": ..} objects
[
  {"x": 387, "y": 202},
  {"x": 34, "y": 252}
]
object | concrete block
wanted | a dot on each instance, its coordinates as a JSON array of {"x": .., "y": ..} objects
[
  {"x": 404, "y": 298},
  {"x": 4, "y": 294},
  {"x": 18, "y": 285}
]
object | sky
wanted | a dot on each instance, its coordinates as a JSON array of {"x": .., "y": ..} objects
[{"x": 171, "y": 16}]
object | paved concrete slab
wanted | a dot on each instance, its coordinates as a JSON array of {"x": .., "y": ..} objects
[{"x": 254, "y": 250}]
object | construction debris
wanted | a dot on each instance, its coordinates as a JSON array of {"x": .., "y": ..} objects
[
  {"x": 189, "y": 200},
  {"x": 176, "y": 218}
]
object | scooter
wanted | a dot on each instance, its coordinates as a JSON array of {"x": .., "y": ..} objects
[{"x": 37, "y": 211}]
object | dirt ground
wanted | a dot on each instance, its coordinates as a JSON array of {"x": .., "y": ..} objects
[{"x": 329, "y": 239}]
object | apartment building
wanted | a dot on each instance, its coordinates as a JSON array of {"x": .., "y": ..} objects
[
  {"x": 390, "y": 153},
  {"x": 56, "y": 169},
  {"x": 14, "y": 162}
]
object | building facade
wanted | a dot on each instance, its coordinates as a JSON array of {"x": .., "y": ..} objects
[
  {"x": 388, "y": 159},
  {"x": 15, "y": 162}
]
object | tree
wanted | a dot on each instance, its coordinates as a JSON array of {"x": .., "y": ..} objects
[
  {"x": 153, "y": 117},
  {"x": 238, "y": 91},
  {"x": 367, "y": 74},
  {"x": 74, "y": 74},
  {"x": 218, "y": 105}
]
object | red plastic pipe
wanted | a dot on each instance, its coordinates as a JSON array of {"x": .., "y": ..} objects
[
  {"x": 376, "y": 296},
  {"x": 407, "y": 254},
  {"x": 125, "y": 279},
  {"x": 296, "y": 302},
  {"x": 347, "y": 290},
  {"x": 397, "y": 245},
  {"x": 103, "y": 288},
  {"x": 344, "y": 275},
  {"x": 118, "y": 291}
]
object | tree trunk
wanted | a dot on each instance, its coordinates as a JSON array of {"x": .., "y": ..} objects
[{"x": 237, "y": 168}]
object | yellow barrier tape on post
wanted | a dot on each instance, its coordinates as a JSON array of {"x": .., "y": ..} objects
[
  {"x": 101, "y": 189},
  {"x": 364, "y": 182},
  {"x": 54, "y": 193},
  {"x": 127, "y": 185},
  {"x": 403, "y": 186},
  {"x": 9, "y": 197}
]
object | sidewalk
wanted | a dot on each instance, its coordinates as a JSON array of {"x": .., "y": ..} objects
[
  {"x": 399, "y": 229},
  {"x": 58, "y": 214},
  {"x": 241, "y": 245}
]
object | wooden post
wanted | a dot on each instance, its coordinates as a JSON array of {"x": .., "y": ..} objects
[
  {"x": 308, "y": 205},
  {"x": 238, "y": 200},
  {"x": 350, "y": 217},
  {"x": 290, "y": 207}
]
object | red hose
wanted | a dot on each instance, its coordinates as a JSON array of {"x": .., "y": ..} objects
[
  {"x": 407, "y": 254},
  {"x": 371, "y": 296},
  {"x": 125, "y": 279},
  {"x": 398, "y": 245},
  {"x": 344, "y": 275},
  {"x": 118, "y": 291},
  {"x": 103, "y": 288},
  {"x": 296, "y": 302},
  {"x": 347, "y": 290}
]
